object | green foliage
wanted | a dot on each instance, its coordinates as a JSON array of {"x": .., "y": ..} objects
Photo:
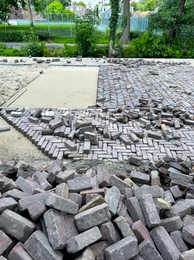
[
  {"x": 40, "y": 5},
  {"x": 8, "y": 52},
  {"x": 55, "y": 7},
  {"x": 114, "y": 19},
  {"x": 86, "y": 36},
  {"x": 32, "y": 47},
  {"x": 5, "y": 6},
  {"x": 173, "y": 17},
  {"x": 153, "y": 46},
  {"x": 146, "y": 5}
]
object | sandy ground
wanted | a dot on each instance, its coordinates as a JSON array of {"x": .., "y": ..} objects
[{"x": 62, "y": 87}]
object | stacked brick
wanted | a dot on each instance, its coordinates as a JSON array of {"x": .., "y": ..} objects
[{"x": 55, "y": 213}]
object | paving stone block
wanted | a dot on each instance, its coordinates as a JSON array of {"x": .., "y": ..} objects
[
  {"x": 125, "y": 139},
  {"x": 56, "y": 229},
  {"x": 135, "y": 161},
  {"x": 134, "y": 209},
  {"x": 181, "y": 208},
  {"x": 172, "y": 224},
  {"x": 168, "y": 197},
  {"x": 126, "y": 248},
  {"x": 4, "y": 129},
  {"x": 120, "y": 184},
  {"x": 76, "y": 197},
  {"x": 86, "y": 129},
  {"x": 97, "y": 200},
  {"x": 41, "y": 180},
  {"x": 188, "y": 234},
  {"x": 62, "y": 190},
  {"x": 28, "y": 185},
  {"x": 7, "y": 203},
  {"x": 148, "y": 252},
  {"x": 155, "y": 191},
  {"x": 103, "y": 177},
  {"x": 177, "y": 237},
  {"x": 155, "y": 135},
  {"x": 86, "y": 193},
  {"x": 36, "y": 210},
  {"x": 140, "y": 177},
  {"x": 149, "y": 211},
  {"x": 27, "y": 201},
  {"x": 133, "y": 137},
  {"x": 87, "y": 147},
  {"x": 15, "y": 225},
  {"x": 188, "y": 255},
  {"x": 178, "y": 175},
  {"x": 165, "y": 244},
  {"x": 55, "y": 123},
  {"x": 79, "y": 184},
  {"x": 62, "y": 204},
  {"x": 5, "y": 242},
  {"x": 176, "y": 192},
  {"x": 39, "y": 247},
  {"x": 83, "y": 240},
  {"x": 92, "y": 217},
  {"x": 123, "y": 226},
  {"x": 87, "y": 254},
  {"x": 19, "y": 253},
  {"x": 98, "y": 249},
  {"x": 190, "y": 202},
  {"x": 109, "y": 232},
  {"x": 64, "y": 176},
  {"x": 141, "y": 232},
  {"x": 92, "y": 137},
  {"x": 70, "y": 145},
  {"x": 112, "y": 198}
]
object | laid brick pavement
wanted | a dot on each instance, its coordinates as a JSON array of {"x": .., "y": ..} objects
[{"x": 168, "y": 86}]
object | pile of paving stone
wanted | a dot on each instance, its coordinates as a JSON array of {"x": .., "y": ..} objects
[{"x": 62, "y": 212}]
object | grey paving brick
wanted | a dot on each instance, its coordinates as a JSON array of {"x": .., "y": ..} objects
[
  {"x": 172, "y": 224},
  {"x": 148, "y": 252},
  {"x": 64, "y": 176},
  {"x": 7, "y": 203},
  {"x": 95, "y": 201},
  {"x": 41, "y": 180},
  {"x": 62, "y": 190},
  {"x": 112, "y": 198},
  {"x": 177, "y": 237},
  {"x": 79, "y": 184},
  {"x": 188, "y": 255},
  {"x": 39, "y": 247},
  {"x": 83, "y": 240},
  {"x": 124, "y": 249},
  {"x": 19, "y": 253},
  {"x": 188, "y": 234},
  {"x": 36, "y": 210},
  {"x": 181, "y": 208},
  {"x": 123, "y": 226},
  {"x": 155, "y": 191},
  {"x": 62, "y": 204},
  {"x": 149, "y": 211},
  {"x": 109, "y": 232},
  {"x": 5, "y": 242},
  {"x": 92, "y": 217},
  {"x": 134, "y": 209},
  {"x": 15, "y": 225},
  {"x": 27, "y": 201},
  {"x": 165, "y": 244},
  {"x": 140, "y": 177}
]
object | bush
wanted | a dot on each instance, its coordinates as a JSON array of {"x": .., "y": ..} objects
[
  {"x": 86, "y": 35},
  {"x": 10, "y": 36},
  {"x": 8, "y": 52}
]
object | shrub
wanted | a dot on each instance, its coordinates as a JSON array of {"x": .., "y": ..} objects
[{"x": 8, "y": 52}]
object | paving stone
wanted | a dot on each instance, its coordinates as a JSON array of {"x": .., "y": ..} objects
[
  {"x": 41, "y": 180},
  {"x": 19, "y": 253},
  {"x": 148, "y": 252},
  {"x": 176, "y": 192},
  {"x": 126, "y": 248},
  {"x": 140, "y": 177},
  {"x": 36, "y": 210},
  {"x": 103, "y": 177},
  {"x": 165, "y": 244},
  {"x": 109, "y": 232},
  {"x": 79, "y": 184},
  {"x": 181, "y": 208},
  {"x": 70, "y": 145},
  {"x": 155, "y": 135},
  {"x": 76, "y": 197},
  {"x": 86, "y": 193},
  {"x": 28, "y": 185},
  {"x": 112, "y": 198},
  {"x": 177, "y": 238},
  {"x": 87, "y": 254},
  {"x": 149, "y": 211},
  {"x": 5, "y": 242},
  {"x": 87, "y": 147},
  {"x": 177, "y": 175},
  {"x": 28, "y": 201},
  {"x": 92, "y": 217},
  {"x": 62, "y": 204},
  {"x": 172, "y": 224},
  {"x": 188, "y": 255},
  {"x": 83, "y": 240},
  {"x": 97, "y": 200},
  {"x": 120, "y": 184},
  {"x": 38, "y": 247},
  {"x": 155, "y": 191},
  {"x": 92, "y": 137},
  {"x": 135, "y": 161},
  {"x": 4, "y": 129},
  {"x": 141, "y": 232},
  {"x": 168, "y": 197},
  {"x": 123, "y": 226},
  {"x": 188, "y": 234},
  {"x": 62, "y": 190},
  {"x": 133, "y": 137},
  {"x": 190, "y": 202},
  {"x": 134, "y": 209},
  {"x": 64, "y": 176},
  {"x": 15, "y": 225},
  {"x": 55, "y": 123},
  {"x": 7, "y": 203}
]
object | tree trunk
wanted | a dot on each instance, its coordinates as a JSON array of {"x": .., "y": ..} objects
[
  {"x": 111, "y": 52},
  {"x": 30, "y": 12},
  {"x": 125, "y": 37}
]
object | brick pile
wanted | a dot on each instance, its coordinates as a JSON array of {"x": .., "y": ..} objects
[
  {"x": 57, "y": 213},
  {"x": 149, "y": 131}
]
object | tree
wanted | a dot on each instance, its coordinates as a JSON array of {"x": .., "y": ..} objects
[
  {"x": 55, "y": 9},
  {"x": 173, "y": 17},
  {"x": 40, "y": 5},
  {"x": 5, "y": 6},
  {"x": 113, "y": 26},
  {"x": 125, "y": 37}
]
